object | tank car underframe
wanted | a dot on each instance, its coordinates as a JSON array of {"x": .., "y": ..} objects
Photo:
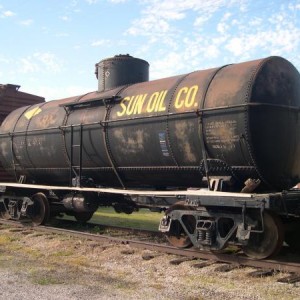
[{"x": 205, "y": 219}]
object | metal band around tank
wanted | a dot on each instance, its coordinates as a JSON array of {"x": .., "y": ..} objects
[
  {"x": 247, "y": 136},
  {"x": 201, "y": 130},
  {"x": 108, "y": 151},
  {"x": 11, "y": 134},
  {"x": 28, "y": 123},
  {"x": 171, "y": 98}
]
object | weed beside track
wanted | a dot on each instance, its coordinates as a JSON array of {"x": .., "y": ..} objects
[{"x": 63, "y": 263}]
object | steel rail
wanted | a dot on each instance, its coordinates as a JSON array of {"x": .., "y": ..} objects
[{"x": 237, "y": 259}]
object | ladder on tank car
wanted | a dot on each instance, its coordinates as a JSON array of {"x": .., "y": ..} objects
[{"x": 76, "y": 167}]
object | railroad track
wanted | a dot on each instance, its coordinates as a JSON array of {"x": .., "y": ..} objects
[{"x": 233, "y": 260}]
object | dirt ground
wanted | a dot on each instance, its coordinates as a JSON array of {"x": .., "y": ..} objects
[{"x": 35, "y": 265}]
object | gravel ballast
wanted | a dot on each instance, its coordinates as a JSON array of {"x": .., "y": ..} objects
[{"x": 47, "y": 266}]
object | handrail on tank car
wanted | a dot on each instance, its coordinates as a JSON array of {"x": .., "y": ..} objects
[{"x": 83, "y": 104}]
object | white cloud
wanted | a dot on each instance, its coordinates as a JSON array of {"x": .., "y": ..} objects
[
  {"x": 91, "y": 1},
  {"x": 109, "y": 43},
  {"x": 49, "y": 61},
  {"x": 65, "y": 18},
  {"x": 62, "y": 34},
  {"x": 236, "y": 46},
  {"x": 8, "y": 13},
  {"x": 27, "y": 22},
  {"x": 171, "y": 63},
  {"x": 56, "y": 92},
  {"x": 295, "y": 6},
  {"x": 102, "y": 42},
  {"x": 224, "y": 24},
  {"x": 28, "y": 66},
  {"x": 73, "y": 6},
  {"x": 278, "y": 34},
  {"x": 117, "y": 1},
  {"x": 255, "y": 22},
  {"x": 201, "y": 20},
  {"x": 159, "y": 17},
  {"x": 280, "y": 41},
  {"x": 40, "y": 62},
  {"x": 235, "y": 30},
  {"x": 112, "y": 1},
  {"x": 4, "y": 60},
  {"x": 149, "y": 26},
  {"x": 213, "y": 51},
  {"x": 74, "y": 3},
  {"x": 243, "y": 5}
]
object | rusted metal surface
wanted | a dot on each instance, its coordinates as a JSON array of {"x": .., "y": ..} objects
[
  {"x": 239, "y": 121},
  {"x": 11, "y": 99},
  {"x": 121, "y": 70}
]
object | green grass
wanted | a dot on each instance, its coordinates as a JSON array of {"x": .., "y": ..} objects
[
  {"x": 44, "y": 277},
  {"x": 143, "y": 219}
]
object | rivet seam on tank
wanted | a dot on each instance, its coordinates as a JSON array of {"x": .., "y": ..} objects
[{"x": 33, "y": 112}]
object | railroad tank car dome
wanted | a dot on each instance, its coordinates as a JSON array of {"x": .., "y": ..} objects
[
  {"x": 238, "y": 121},
  {"x": 121, "y": 70}
]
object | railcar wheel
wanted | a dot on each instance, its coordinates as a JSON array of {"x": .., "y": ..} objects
[
  {"x": 83, "y": 217},
  {"x": 41, "y": 209},
  {"x": 177, "y": 237},
  {"x": 268, "y": 243}
]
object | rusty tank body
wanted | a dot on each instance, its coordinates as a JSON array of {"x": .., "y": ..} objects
[
  {"x": 236, "y": 122},
  {"x": 12, "y": 98}
]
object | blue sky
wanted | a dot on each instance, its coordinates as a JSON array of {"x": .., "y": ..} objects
[{"x": 50, "y": 47}]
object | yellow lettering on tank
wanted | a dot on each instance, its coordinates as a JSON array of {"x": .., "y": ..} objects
[
  {"x": 186, "y": 97},
  {"x": 191, "y": 96},
  {"x": 123, "y": 106},
  {"x": 152, "y": 102},
  {"x": 142, "y": 103},
  {"x": 33, "y": 112},
  {"x": 139, "y": 104},
  {"x": 130, "y": 106},
  {"x": 156, "y": 102},
  {"x": 179, "y": 102},
  {"x": 161, "y": 106}
]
